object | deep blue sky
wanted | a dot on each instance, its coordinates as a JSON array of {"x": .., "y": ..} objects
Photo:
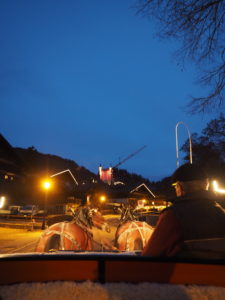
[{"x": 87, "y": 80}]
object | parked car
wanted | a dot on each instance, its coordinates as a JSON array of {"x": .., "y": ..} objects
[
  {"x": 14, "y": 210},
  {"x": 28, "y": 210},
  {"x": 114, "y": 208}
]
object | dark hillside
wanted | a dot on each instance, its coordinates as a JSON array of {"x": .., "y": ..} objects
[
  {"x": 36, "y": 162},
  {"x": 74, "y": 182}
]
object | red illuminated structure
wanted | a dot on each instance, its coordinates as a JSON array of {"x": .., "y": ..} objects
[{"x": 106, "y": 174}]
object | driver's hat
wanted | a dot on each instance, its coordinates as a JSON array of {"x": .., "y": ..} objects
[{"x": 188, "y": 172}]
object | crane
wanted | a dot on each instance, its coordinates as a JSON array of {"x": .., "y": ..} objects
[
  {"x": 129, "y": 156},
  {"x": 106, "y": 175}
]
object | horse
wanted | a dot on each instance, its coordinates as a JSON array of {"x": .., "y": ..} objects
[
  {"x": 74, "y": 234},
  {"x": 131, "y": 234}
]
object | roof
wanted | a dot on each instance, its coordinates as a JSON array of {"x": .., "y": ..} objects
[{"x": 142, "y": 189}]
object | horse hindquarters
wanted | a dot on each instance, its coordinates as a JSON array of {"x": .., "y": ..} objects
[
  {"x": 64, "y": 236},
  {"x": 132, "y": 236}
]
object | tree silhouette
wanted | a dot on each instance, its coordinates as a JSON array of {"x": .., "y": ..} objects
[
  {"x": 200, "y": 26},
  {"x": 209, "y": 148}
]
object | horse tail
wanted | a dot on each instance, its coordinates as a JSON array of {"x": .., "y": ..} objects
[
  {"x": 48, "y": 242},
  {"x": 138, "y": 244},
  {"x": 53, "y": 243},
  {"x": 116, "y": 243}
]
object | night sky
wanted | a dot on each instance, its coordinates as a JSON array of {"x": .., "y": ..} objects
[{"x": 89, "y": 81}]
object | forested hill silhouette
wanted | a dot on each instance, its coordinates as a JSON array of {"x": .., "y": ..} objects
[
  {"x": 27, "y": 167},
  {"x": 37, "y": 162},
  {"x": 23, "y": 170},
  {"x": 20, "y": 162}
]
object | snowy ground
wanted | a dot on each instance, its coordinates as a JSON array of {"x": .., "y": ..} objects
[{"x": 113, "y": 291}]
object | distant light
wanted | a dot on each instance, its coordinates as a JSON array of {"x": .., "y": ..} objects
[
  {"x": 102, "y": 198},
  {"x": 119, "y": 182},
  {"x": 141, "y": 203},
  {"x": 46, "y": 185},
  {"x": 2, "y": 201},
  {"x": 216, "y": 187}
]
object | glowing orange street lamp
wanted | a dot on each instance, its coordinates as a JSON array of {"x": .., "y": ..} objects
[
  {"x": 46, "y": 185},
  {"x": 102, "y": 198}
]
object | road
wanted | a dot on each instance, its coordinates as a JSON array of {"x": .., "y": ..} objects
[
  {"x": 18, "y": 240},
  {"x": 24, "y": 240}
]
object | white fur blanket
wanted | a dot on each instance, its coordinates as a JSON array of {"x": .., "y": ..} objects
[{"x": 110, "y": 291}]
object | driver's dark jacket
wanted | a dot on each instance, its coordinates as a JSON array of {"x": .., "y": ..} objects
[
  {"x": 193, "y": 216},
  {"x": 200, "y": 216}
]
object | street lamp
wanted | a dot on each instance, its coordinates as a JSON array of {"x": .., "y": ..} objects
[
  {"x": 102, "y": 198},
  {"x": 189, "y": 138},
  {"x": 64, "y": 171},
  {"x": 46, "y": 186}
]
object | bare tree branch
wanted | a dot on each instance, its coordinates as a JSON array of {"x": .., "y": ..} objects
[{"x": 200, "y": 26}]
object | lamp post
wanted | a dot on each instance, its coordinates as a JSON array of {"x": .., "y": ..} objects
[
  {"x": 64, "y": 171},
  {"x": 46, "y": 186},
  {"x": 71, "y": 174},
  {"x": 177, "y": 147}
]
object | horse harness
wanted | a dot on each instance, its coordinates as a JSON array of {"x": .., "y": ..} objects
[
  {"x": 132, "y": 229},
  {"x": 62, "y": 234}
]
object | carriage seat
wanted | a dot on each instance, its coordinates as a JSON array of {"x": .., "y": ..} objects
[{"x": 213, "y": 248}]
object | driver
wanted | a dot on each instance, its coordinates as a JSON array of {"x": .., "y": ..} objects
[{"x": 193, "y": 215}]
